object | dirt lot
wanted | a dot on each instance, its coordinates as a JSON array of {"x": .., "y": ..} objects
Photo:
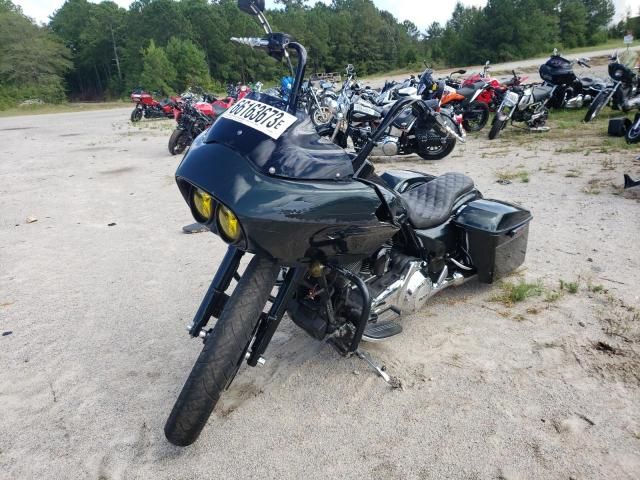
[{"x": 95, "y": 296}]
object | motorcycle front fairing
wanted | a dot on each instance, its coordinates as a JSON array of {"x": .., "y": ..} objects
[{"x": 295, "y": 197}]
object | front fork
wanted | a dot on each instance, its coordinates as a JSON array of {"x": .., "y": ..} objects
[{"x": 216, "y": 297}]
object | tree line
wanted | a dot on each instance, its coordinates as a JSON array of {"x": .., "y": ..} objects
[{"x": 100, "y": 50}]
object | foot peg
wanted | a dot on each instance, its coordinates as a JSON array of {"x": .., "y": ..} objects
[{"x": 381, "y": 331}]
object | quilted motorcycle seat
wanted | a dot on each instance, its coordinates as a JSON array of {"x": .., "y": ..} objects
[{"x": 430, "y": 204}]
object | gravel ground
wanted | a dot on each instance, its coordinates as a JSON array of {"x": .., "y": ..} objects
[{"x": 95, "y": 295}]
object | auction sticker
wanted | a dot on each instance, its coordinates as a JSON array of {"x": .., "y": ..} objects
[{"x": 260, "y": 116}]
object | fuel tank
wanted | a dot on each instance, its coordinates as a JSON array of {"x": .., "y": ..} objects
[{"x": 290, "y": 220}]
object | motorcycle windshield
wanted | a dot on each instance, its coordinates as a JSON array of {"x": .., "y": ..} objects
[{"x": 277, "y": 143}]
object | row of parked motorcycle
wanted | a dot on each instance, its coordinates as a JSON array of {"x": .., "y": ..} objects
[
  {"x": 349, "y": 114},
  {"x": 194, "y": 111}
]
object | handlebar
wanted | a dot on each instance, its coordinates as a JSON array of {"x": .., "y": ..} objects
[
  {"x": 252, "y": 42},
  {"x": 276, "y": 45}
]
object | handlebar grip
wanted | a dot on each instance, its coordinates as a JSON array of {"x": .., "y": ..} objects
[{"x": 252, "y": 42}]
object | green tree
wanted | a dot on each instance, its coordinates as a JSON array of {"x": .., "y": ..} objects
[
  {"x": 32, "y": 60},
  {"x": 158, "y": 74},
  {"x": 189, "y": 63},
  {"x": 599, "y": 14},
  {"x": 573, "y": 23}
]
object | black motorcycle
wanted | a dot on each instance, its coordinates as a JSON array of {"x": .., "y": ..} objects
[
  {"x": 191, "y": 122},
  {"x": 570, "y": 90},
  {"x": 431, "y": 134},
  {"x": 623, "y": 93},
  {"x": 343, "y": 251}
]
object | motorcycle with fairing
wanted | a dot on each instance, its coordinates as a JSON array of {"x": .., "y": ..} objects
[
  {"x": 570, "y": 90},
  {"x": 343, "y": 251},
  {"x": 624, "y": 91}
]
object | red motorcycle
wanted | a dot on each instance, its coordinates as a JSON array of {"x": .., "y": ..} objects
[
  {"x": 490, "y": 86},
  {"x": 148, "y": 107},
  {"x": 193, "y": 118},
  {"x": 492, "y": 89}
]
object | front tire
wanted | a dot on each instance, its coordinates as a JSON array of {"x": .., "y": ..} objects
[
  {"x": 475, "y": 117},
  {"x": 496, "y": 127},
  {"x": 223, "y": 353},
  {"x": 178, "y": 142},
  {"x": 633, "y": 133},
  {"x": 136, "y": 115},
  {"x": 596, "y": 106},
  {"x": 319, "y": 115}
]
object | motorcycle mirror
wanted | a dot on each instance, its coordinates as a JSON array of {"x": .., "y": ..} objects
[
  {"x": 487, "y": 63},
  {"x": 252, "y": 7},
  {"x": 461, "y": 72}
]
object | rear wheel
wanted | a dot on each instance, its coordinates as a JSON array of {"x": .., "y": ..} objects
[
  {"x": 222, "y": 354},
  {"x": 496, "y": 127},
  {"x": 178, "y": 142},
  {"x": 475, "y": 117},
  {"x": 596, "y": 106},
  {"x": 136, "y": 115},
  {"x": 438, "y": 152}
]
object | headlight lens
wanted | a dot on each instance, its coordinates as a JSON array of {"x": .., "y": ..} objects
[
  {"x": 228, "y": 224},
  {"x": 203, "y": 204}
]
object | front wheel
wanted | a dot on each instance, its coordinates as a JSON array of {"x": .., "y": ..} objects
[
  {"x": 320, "y": 115},
  {"x": 178, "y": 142},
  {"x": 596, "y": 106},
  {"x": 475, "y": 117},
  {"x": 633, "y": 133},
  {"x": 223, "y": 353},
  {"x": 136, "y": 115},
  {"x": 496, "y": 127}
]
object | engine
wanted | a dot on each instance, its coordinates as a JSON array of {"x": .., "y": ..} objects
[
  {"x": 398, "y": 285},
  {"x": 407, "y": 286}
]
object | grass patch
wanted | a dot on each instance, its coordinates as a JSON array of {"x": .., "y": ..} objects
[
  {"x": 573, "y": 173},
  {"x": 569, "y": 149},
  {"x": 517, "y": 292},
  {"x": 552, "y": 296},
  {"x": 571, "y": 287},
  {"x": 507, "y": 175}
]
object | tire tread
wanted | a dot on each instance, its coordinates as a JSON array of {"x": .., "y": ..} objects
[{"x": 218, "y": 361}]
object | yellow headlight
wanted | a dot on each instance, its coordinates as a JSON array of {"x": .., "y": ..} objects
[
  {"x": 228, "y": 224},
  {"x": 203, "y": 203}
]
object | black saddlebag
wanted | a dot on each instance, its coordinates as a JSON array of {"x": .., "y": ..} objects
[
  {"x": 496, "y": 236},
  {"x": 618, "y": 126}
]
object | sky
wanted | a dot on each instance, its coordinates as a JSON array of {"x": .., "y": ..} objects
[{"x": 422, "y": 16}]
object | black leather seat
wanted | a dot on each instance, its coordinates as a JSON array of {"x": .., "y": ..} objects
[
  {"x": 467, "y": 92},
  {"x": 430, "y": 204},
  {"x": 541, "y": 92}
]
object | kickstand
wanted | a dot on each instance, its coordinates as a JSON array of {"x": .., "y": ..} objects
[{"x": 365, "y": 356}]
